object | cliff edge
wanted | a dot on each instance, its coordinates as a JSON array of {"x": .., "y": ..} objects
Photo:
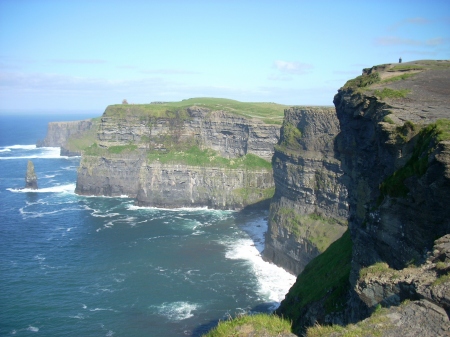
[
  {"x": 194, "y": 153},
  {"x": 309, "y": 209},
  {"x": 394, "y": 150}
]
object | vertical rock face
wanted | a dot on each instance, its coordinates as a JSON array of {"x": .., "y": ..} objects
[
  {"x": 394, "y": 149},
  {"x": 230, "y": 135},
  {"x": 139, "y": 173},
  {"x": 59, "y": 134},
  {"x": 309, "y": 209},
  {"x": 396, "y": 154},
  {"x": 31, "y": 178}
]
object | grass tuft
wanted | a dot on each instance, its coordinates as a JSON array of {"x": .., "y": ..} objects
[
  {"x": 257, "y": 324},
  {"x": 391, "y": 93},
  {"x": 363, "y": 81},
  {"x": 194, "y": 156}
]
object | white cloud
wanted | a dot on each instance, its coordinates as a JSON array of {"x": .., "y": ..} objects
[
  {"x": 396, "y": 41},
  {"x": 169, "y": 72},
  {"x": 78, "y": 61},
  {"x": 408, "y": 21},
  {"x": 274, "y": 77},
  {"x": 293, "y": 68}
]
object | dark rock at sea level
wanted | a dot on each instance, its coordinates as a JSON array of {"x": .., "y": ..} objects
[{"x": 31, "y": 178}]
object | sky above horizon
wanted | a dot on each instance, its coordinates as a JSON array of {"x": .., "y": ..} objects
[{"x": 84, "y": 55}]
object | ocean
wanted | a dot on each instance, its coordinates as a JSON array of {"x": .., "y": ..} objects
[{"x": 95, "y": 266}]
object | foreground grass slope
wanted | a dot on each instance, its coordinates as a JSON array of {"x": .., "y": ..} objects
[{"x": 252, "y": 325}]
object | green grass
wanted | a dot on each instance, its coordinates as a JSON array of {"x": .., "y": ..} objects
[
  {"x": 363, "y": 81},
  {"x": 442, "y": 279},
  {"x": 194, "y": 156},
  {"x": 122, "y": 148},
  {"x": 290, "y": 136},
  {"x": 95, "y": 150},
  {"x": 391, "y": 93},
  {"x": 418, "y": 163},
  {"x": 270, "y": 113},
  {"x": 374, "y": 326},
  {"x": 245, "y": 324},
  {"x": 379, "y": 268},
  {"x": 250, "y": 194},
  {"x": 83, "y": 141},
  {"x": 397, "y": 78},
  {"x": 406, "y": 67},
  {"x": 319, "y": 230},
  {"x": 388, "y": 119},
  {"x": 325, "y": 277}
]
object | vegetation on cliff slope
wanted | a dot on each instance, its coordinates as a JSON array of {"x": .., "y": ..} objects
[
  {"x": 417, "y": 165},
  {"x": 194, "y": 156},
  {"x": 270, "y": 113},
  {"x": 251, "y": 325},
  {"x": 325, "y": 278},
  {"x": 84, "y": 140}
]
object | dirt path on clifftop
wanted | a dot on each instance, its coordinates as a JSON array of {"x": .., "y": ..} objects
[{"x": 429, "y": 94}]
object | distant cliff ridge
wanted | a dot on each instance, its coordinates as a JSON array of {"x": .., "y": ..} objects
[
  {"x": 72, "y": 137},
  {"x": 309, "y": 209},
  {"x": 180, "y": 154}
]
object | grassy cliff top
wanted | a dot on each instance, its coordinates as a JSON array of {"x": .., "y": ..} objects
[
  {"x": 417, "y": 91},
  {"x": 270, "y": 113}
]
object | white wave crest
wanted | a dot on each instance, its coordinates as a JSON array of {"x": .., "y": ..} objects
[
  {"x": 273, "y": 282},
  {"x": 177, "y": 311},
  {"x": 20, "y": 147},
  {"x": 69, "y": 188},
  {"x": 40, "y": 152},
  {"x": 32, "y": 329}
]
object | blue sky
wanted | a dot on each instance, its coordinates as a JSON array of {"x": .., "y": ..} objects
[{"x": 85, "y": 55}]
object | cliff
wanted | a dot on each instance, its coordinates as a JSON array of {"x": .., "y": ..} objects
[
  {"x": 198, "y": 152},
  {"x": 394, "y": 150},
  {"x": 72, "y": 137},
  {"x": 309, "y": 209}
]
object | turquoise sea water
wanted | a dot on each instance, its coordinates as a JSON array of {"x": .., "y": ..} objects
[{"x": 96, "y": 266}]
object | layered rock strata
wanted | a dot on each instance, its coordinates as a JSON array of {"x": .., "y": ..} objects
[
  {"x": 309, "y": 209},
  {"x": 396, "y": 153},
  {"x": 142, "y": 170},
  {"x": 230, "y": 135},
  {"x": 394, "y": 148}
]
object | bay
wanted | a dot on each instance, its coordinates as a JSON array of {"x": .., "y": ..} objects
[{"x": 95, "y": 266}]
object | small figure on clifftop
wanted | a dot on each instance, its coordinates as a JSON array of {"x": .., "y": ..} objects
[
  {"x": 31, "y": 178},
  {"x": 400, "y": 60}
]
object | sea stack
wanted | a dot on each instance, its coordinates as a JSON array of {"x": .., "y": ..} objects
[{"x": 31, "y": 178}]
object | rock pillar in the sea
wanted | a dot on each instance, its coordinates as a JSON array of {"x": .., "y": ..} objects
[{"x": 31, "y": 178}]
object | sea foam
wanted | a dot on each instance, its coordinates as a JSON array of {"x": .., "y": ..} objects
[
  {"x": 273, "y": 282},
  {"x": 69, "y": 188},
  {"x": 177, "y": 311}
]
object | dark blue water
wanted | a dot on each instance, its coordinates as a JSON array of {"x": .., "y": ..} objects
[{"x": 94, "y": 266}]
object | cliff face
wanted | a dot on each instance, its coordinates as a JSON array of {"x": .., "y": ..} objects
[
  {"x": 309, "y": 209},
  {"x": 188, "y": 157},
  {"x": 396, "y": 153},
  {"x": 59, "y": 134},
  {"x": 394, "y": 148},
  {"x": 230, "y": 135}
]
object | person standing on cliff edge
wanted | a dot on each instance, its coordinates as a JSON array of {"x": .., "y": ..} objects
[{"x": 400, "y": 60}]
